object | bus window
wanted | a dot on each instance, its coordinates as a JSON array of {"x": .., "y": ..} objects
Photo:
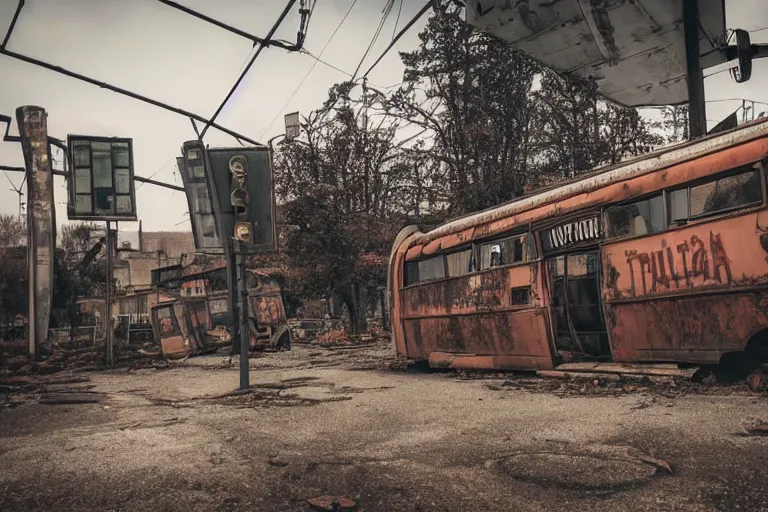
[
  {"x": 638, "y": 218},
  {"x": 503, "y": 252},
  {"x": 458, "y": 263},
  {"x": 424, "y": 270},
  {"x": 717, "y": 195}
]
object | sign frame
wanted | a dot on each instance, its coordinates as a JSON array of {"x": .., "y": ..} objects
[
  {"x": 73, "y": 191},
  {"x": 216, "y": 246}
]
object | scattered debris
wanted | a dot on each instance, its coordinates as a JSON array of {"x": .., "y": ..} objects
[
  {"x": 63, "y": 398},
  {"x": 277, "y": 462},
  {"x": 756, "y": 380},
  {"x": 758, "y": 428},
  {"x": 332, "y": 503},
  {"x": 577, "y": 375}
]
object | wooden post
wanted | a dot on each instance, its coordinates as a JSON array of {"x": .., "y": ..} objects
[{"x": 41, "y": 221}]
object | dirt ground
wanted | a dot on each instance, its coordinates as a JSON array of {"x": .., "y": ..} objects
[{"x": 358, "y": 424}]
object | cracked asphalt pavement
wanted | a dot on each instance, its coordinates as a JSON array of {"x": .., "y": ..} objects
[{"x": 353, "y": 423}]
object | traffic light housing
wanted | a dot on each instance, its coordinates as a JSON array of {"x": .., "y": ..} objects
[{"x": 241, "y": 185}]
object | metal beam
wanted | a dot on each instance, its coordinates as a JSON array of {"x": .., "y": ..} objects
[
  {"x": 254, "y": 39},
  {"x": 158, "y": 183},
  {"x": 13, "y": 23},
  {"x": 12, "y": 168},
  {"x": 697, "y": 117},
  {"x": 8, "y": 137},
  {"x": 125, "y": 92},
  {"x": 248, "y": 67}
]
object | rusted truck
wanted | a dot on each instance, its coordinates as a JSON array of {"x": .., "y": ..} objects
[{"x": 663, "y": 258}]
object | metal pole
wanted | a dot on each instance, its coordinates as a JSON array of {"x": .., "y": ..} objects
[
  {"x": 110, "y": 355},
  {"x": 242, "y": 280},
  {"x": 697, "y": 117}
]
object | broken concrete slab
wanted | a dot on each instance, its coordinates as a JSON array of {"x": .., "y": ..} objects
[{"x": 659, "y": 370}]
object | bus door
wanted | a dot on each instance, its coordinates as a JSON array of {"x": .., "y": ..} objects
[{"x": 574, "y": 281}]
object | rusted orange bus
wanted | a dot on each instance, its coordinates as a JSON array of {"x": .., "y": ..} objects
[{"x": 662, "y": 258}]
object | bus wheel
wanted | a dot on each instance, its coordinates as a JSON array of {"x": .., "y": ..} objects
[
  {"x": 284, "y": 341},
  {"x": 735, "y": 366}
]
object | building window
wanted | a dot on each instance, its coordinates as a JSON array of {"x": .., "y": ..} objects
[
  {"x": 459, "y": 263},
  {"x": 639, "y": 218},
  {"x": 503, "y": 252},
  {"x": 717, "y": 195}
]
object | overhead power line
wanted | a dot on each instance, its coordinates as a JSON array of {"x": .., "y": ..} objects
[
  {"x": 385, "y": 13},
  {"x": 399, "y": 10},
  {"x": 321, "y": 61},
  {"x": 262, "y": 45},
  {"x": 400, "y": 34},
  {"x": 254, "y": 39},
  {"x": 317, "y": 59}
]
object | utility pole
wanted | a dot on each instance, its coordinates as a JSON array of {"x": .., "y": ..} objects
[
  {"x": 41, "y": 222},
  {"x": 697, "y": 108},
  {"x": 242, "y": 281}
]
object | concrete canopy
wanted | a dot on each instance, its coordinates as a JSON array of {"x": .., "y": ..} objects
[{"x": 634, "y": 49}]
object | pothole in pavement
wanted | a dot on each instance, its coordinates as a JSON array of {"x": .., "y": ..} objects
[{"x": 601, "y": 469}]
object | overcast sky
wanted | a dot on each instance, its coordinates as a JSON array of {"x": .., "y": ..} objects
[{"x": 157, "y": 51}]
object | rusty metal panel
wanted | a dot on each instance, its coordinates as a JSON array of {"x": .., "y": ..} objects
[
  {"x": 521, "y": 333},
  {"x": 267, "y": 309},
  {"x": 675, "y": 295},
  {"x": 199, "y": 319},
  {"x": 726, "y": 253},
  {"x": 476, "y": 362},
  {"x": 41, "y": 221},
  {"x": 702, "y": 157},
  {"x": 484, "y": 291},
  {"x": 697, "y": 329}
]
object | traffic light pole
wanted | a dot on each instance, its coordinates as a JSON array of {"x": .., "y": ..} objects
[{"x": 242, "y": 283}]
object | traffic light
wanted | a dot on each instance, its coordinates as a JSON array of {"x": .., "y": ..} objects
[{"x": 241, "y": 185}]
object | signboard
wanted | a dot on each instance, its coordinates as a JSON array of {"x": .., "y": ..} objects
[
  {"x": 250, "y": 167},
  {"x": 100, "y": 187},
  {"x": 292, "y": 125},
  {"x": 634, "y": 49},
  {"x": 580, "y": 232},
  {"x": 201, "y": 215}
]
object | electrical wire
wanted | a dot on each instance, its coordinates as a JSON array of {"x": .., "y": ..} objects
[
  {"x": 399, "y": 10},
  {"x": 321, "y": 61},
  {"x": 400, "y": 34},
  {"x": 386, "y": 11},
  {"x": 308, "y": 72},
  {"x": 157, "y": 171}
]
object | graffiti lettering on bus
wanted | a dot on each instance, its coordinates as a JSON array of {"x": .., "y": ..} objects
[{"x": 679, "y": 264}]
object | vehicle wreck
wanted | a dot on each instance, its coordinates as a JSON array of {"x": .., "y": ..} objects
[{"x": 194, "y": 319}]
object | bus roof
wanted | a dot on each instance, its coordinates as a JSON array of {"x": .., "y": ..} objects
[{"x": 603, "y": 176}]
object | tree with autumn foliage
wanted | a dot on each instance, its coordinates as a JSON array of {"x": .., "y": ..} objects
[{"x": 338, "y": 188}]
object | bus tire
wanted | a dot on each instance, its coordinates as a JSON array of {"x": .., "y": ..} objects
[
  {"x": 735, "y": 366},
  {"x": 284, "y": 340}
]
